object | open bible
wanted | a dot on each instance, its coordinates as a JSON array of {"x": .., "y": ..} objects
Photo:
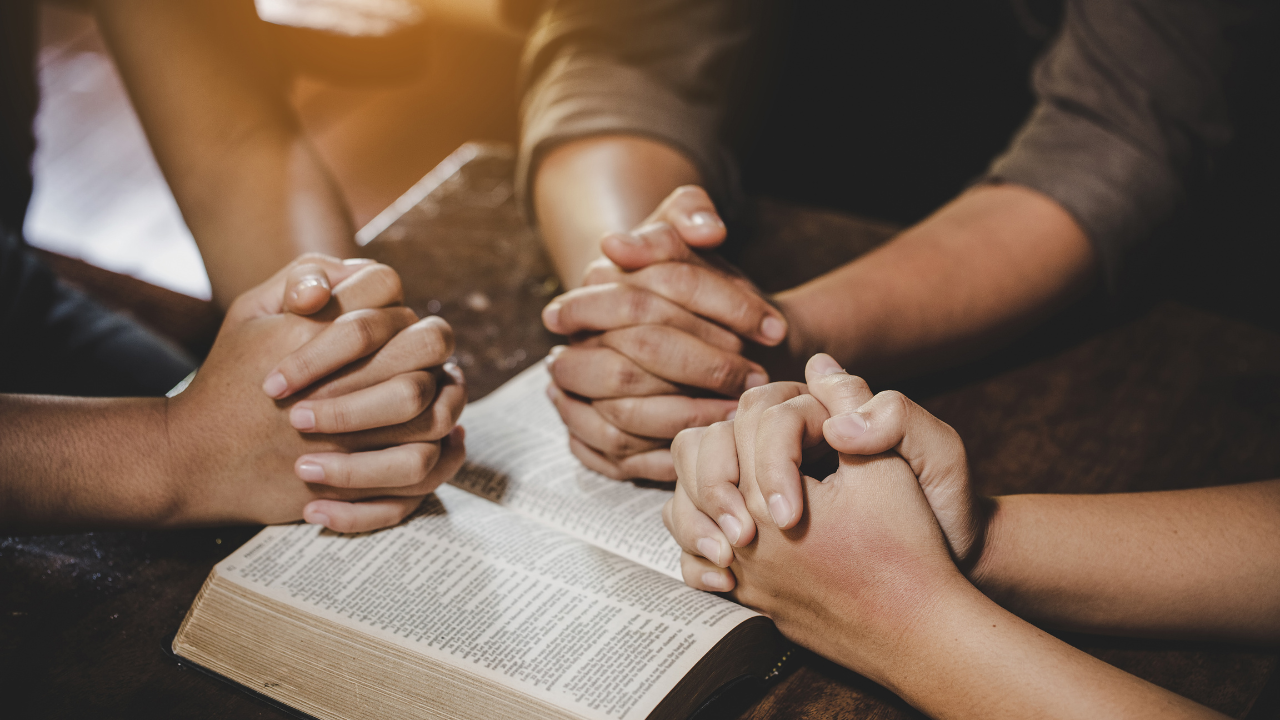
[{"x": 529, "y": 588}]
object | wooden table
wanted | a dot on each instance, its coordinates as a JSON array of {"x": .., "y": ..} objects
[{"x": 1164, "y": 396}]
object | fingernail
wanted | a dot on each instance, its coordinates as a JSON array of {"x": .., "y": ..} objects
[
  {"x": 457, "y": 434},
  {"x": 850, "y": 426},
  {"x": 551, "y": 316},
  {"x": 705, "y": 219},
  {"x": 755, "y": 380},
  {"x": 710, "y": 550},
  {"x": 773, "y": 329},
  {"x": 780, "y": 509},
  {"x": 553, "y": 354},
  {"x": 731, "y": 528},
  {"x": 358, "y": 261},
  {"x": 455, "y": 372},
  {"x": 824, "y": 364},
  {"x": 631, "y": 238},
  {"x": 302, "y": 418},
  {"x": 713, "y": 579},
  {"x": 275, "y": 385},
  {"x": 731, "y": 414},
  {"x": 313, "y": 281},
  {"x": 317, "y": 519},
  {"x": 310, "y": 471}
]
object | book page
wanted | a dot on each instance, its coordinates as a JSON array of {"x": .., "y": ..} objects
[
  {"x": 499, "y": 595},
  {"x": 518, "y": 456}
]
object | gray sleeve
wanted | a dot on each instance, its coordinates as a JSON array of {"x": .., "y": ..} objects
[
  {"x": 1131, "y": 111},
  {"x": 656, "y": 68}
]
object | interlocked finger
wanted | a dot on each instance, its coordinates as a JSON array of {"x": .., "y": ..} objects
[
  {"x": 681, "y": 358},
  {"x": 427, "y": 343},
  {"x": 715, "y": 491},
  {"x": 351, "y": 337},
  {"x": 398, "y": 400},
  {"x": 663, "y": 416},
  {"x": 652, "y": 465},
  {"x": 610, "y": 306},
  {"x": 602, "y": 372},
  {"x": 588, "y": 426},
  {"x": 715, "y": 295},
  {"x": 784, "y": 432},
  {"x": 429, "y": 426}
]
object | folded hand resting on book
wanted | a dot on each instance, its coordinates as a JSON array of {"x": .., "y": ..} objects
[
  {"x": 355, "y": 421},
  {"x": 657, "y": 338}
]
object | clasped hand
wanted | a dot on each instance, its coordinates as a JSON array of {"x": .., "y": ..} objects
[
  {"x": 656, "y": 341},
  {"x": 323, "y": 398},
  {"x": 842, "y": 565}
]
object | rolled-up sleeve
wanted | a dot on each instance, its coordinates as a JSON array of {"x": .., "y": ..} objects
[
  {"x": 1131, "y": 111},
  {"x": 655, "y": 68}
]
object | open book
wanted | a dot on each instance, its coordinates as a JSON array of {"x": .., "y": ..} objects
[{"x": 530, "y": 588}]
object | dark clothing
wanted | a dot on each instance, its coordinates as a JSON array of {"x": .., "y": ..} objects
[
  {"x": 1138, "y": 104},
  {"x": 18, "y": 98},
  {"x": 56, "y": 341},
  {"x": 53, "y": 339}
]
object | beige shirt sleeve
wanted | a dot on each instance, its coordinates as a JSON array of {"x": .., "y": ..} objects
[{"x": 662, "y": 69}]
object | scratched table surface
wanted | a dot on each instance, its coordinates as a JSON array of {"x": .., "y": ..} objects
[{"x": 1167, "y": 396}]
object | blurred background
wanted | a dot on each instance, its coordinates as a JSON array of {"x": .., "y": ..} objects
[{"x": 386, "y": 89}]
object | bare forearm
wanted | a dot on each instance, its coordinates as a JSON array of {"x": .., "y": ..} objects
[
  {"x": 69, "y": 463},
  {"x": 972, "y": 659},
  {"x": 1202, "y": 564},
  {"x": 211, "y": 95},
  {"x": 987, "y": 265},
  {"x": 587, "y": 188}
]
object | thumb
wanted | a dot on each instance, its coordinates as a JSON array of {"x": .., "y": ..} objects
[
  {"x": 836, "y": 389},
  {"x": 647, "y": 245},
  {"x": 891, "y": 421},
  {"x": 690, "y": 211},
  {"x": 303, "y": 287}
]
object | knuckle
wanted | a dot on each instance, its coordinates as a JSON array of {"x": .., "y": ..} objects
[
  {"x": 682, "y": 280},
  {"x": 362, "y": 326},
  {"x": 418, "y": 391},
  {"x": 755, "y": 397},
  {"x": 614, "y": 441},
  {"x": 641, "y": 342},
  {"x": 628, "y": 379},
  {"x": 637, "y": 305},
  {"x": 427, "y": 455},
  {"x": 340, "y": 417},
  {"x": 444, "y": 331},
  {"x": 599, "y": 271},
  {"x": 894, "y": 406},
  {"x": 404, "y": 316},
  {"x": 300, "y": 365},
  {"x": 775, "y": 416},
  {"x": 386, "y": 279},
  {"x": 341, "y": 474},
  {"x": 433, "y": 341},
  {"x": 686, "y": 441},
  {"x": 717, "y": 497},
  {"x": 622, "y": 412},
  {"x": 855, "y": 384}
]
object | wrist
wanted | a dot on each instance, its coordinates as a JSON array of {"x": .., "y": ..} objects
[
  {"x": 982, "y": 565},
  {"x": 182, "y": 468},
  {"x": 923, "y": 659},
  {"x": 895, "y": 657},
  {"x": 786, "y": 361}
]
